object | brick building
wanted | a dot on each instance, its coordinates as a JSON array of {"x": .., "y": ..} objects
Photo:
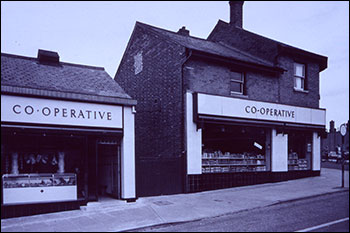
[{"x": 234, "y": 109}]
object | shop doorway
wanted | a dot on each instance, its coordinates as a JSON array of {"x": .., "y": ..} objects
[{"x": 108, "y": 170}]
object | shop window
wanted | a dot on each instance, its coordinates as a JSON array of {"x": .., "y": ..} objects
[
  {"x": 299, "y": 150},
  {"x": 237, "y": 82},
  {"x": 38, "y": 160},
  {"x": 234, "y": 149},
  {"x": 299, "y": 77}
]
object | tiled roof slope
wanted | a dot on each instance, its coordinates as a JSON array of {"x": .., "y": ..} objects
[
  {"x": 77, "y": 80},
  {"x": 207, "y": 46},
  {"x": 260, "y": 46}
]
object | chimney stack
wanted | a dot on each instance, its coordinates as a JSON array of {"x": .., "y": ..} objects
[
  {"x": 236, "y": 13},
  {"x": 331, "y": 127},
  {"x": 48, "y": 57},
  {"x": 183, "y": 31}
]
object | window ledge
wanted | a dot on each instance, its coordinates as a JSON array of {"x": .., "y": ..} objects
[
  {"x": 233, "y": 94},
  {"x": 302, "y": 91}
]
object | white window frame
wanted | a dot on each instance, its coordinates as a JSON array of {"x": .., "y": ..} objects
[
  {"x": 240, "y": 82},
  {"x": 302, "y": 77}
]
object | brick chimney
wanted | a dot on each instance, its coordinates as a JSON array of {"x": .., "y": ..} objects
[
  {"x": 48, "y": 57},
  {"x": 183, "y": 31},
  {"x": 331, "y": 126},
  {"x": 236, "y": 13}
]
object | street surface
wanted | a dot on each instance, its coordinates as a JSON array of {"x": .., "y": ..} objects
[
  {"x": 325, "y": 213},
  {"x": 334, "y": 165}
]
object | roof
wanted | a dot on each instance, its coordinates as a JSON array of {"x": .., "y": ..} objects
[
  {"x": 261, "y": 46},
  {"x": 25, "y": 75},
  {"x": 210, "y": 47}
]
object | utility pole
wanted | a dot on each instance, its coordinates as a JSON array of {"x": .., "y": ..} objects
[{"x": 343, "y": 130}]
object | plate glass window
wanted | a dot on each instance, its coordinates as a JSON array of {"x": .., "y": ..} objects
[
  {"x": 237, "y": 82},
  {"x": 299, "y": 76}
]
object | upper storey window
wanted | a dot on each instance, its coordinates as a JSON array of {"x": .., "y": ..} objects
[
  {"x": 299, "y": 76},
  {"x": 237, "y": 82}
]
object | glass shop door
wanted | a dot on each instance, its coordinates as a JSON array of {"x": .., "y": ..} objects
[{"x": 109, "y": 174}]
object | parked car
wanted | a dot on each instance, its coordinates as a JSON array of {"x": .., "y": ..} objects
[{"x": 334, "y": 157}]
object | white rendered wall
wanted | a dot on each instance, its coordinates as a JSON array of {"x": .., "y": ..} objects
[
  {"x": 128, "y": 155},
  {"x": 193, "y": 139},
  {"x": 316, "y": 152},
  {"x": 279, "y": 155}
]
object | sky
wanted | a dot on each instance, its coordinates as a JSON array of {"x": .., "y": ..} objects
[{"x": 97, "y": 33}]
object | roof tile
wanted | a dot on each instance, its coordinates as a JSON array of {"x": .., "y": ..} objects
[
  {"x": 208, "y": 46},
  {"x": 25, "y": 72}
]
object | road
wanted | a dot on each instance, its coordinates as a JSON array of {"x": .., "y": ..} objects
[
  {"x": 334, "y": 165},
  {"x": 326, "y": 213}
]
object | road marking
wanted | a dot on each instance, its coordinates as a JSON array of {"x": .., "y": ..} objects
[{"x": 323, "y": 225}]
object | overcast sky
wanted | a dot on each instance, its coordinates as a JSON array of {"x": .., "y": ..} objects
[{"x": 96, "y": 33}]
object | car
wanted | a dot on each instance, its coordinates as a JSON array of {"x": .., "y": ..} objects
[{"x": 333, "y": 156}]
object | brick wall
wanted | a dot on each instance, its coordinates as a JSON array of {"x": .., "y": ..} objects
[
  {"x": 246, "y": 41},
  {"x": 288, "y": 94},
  {"x": 268, "y": 49},
  {"x": 213, "y": 78},
  {"x": 203, "y": 76},
  {"x": 151, "y": 73}
]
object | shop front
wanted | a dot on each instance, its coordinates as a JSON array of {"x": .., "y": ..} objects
[
  {"x": 59, "y": 154},
  {"x": 235, "y": 141}
]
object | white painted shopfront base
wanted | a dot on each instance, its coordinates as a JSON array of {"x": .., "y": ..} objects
[{"x": 39, "y": 194}]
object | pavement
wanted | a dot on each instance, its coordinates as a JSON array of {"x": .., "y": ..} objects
[{"x": 117, "y": 215}]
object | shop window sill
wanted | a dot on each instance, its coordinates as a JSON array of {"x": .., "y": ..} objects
[{"x": 233, "y": 94}]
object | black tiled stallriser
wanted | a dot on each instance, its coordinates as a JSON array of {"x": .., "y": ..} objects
[{"x": 212, "y": 181}]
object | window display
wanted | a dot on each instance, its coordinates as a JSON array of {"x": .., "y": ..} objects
[
  {"x": 228, "y": 162},
  {"x": 37, "y": 180},
  {"x": 233, "y": 149},
  {"x": 294, "y": 163},
  {"x": 300, "y": 149},
  {"x": 42, "y": 167}
]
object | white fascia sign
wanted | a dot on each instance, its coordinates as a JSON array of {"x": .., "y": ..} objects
[
  {"x": 60, "y": 112},
  {"x": 221, "y": 106}
]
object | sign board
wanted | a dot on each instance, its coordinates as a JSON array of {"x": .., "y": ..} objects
[
  {"x": 59, "y": 112},
  {"x": 240, "y": 108},
  {"x": 343, "y": 129}
]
